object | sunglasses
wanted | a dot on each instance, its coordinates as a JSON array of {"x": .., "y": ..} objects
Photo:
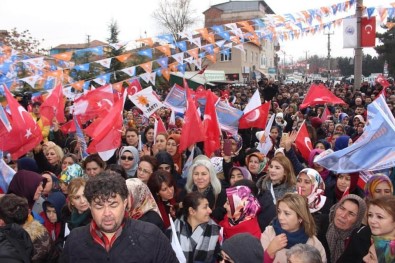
[{"x": 129, "y": 158}]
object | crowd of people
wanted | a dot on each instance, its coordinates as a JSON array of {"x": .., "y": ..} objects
[{"x": 147, "y": 204}]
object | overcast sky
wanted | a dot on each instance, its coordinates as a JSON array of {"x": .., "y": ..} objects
[{"x": 71, "y": 21}]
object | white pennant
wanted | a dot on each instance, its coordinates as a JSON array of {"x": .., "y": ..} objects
[
  {"x": 31, "y": 80},
  {"x": 198, "y": 63},
  {"x": 240, "y": 47},
  {"x": 105, "y": 62},
  {"x": 220, "y": 43},
  {"x": 179, "y": 57},
  {"x": 131, "y": 71},
  {"x": 231, "y": 26},
  {"x": 197, "y": 41}
]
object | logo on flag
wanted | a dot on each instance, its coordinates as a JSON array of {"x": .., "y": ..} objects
[{"x": 147, "y": 101}]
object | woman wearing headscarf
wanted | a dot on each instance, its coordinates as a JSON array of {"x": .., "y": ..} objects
[
  {"x": 342, "y": 142},
  {"x": 242, "y": 209},
  {"x": 237, "y": 157},
  {"x": 378, "y": 185},
  {"x": 172, "y": 146},
  {"x": 129, "y": 160},
  {"x": 237, "y": 173},
  {"x": 29, "y": 185},
  {"x": 341, "y": 232},
  {"x": 141, "y": 203},
  {"x": 256, "y": 164},
  {"x": 28, "y": 164},
  {"x": 165, "y": 162},
  {"x": 346, "y": 183}
]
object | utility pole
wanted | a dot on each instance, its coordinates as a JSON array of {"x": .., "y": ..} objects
[
  {"x": 329, "y": 54},
  {"x": 358, "y": 49}
]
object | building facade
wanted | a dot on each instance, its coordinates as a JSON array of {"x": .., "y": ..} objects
[{"x": 256, "y": 61}]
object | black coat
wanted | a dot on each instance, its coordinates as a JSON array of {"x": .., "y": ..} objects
[
  {"x": 139, "y": 242},
  {"x": 15, "y": 244}
]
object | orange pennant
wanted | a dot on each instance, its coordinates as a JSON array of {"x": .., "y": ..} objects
[
  {"x": 166, "y": 74},
  {"x": 123, "y": 57},
  {"x": 165, "y": 49},
  {"x": 148, "y": 41},
  {"x": 211, "y": 38},
  {"x": 243, "y": 23},
  {"x": 66, "y": 56},
  {"x": 203, "y": 32},
  {"x": 118, "y": 86},
  {"x": 194, "y": 53},
  {"x": 78, "y": 85},
  {"x": 173, "y": 66},
  {"x": 147, "y": 66},
  {"x": 212, "y": 58},
  {"x": 235, "y": 39},
  {"x": 390, "y": 25},
  {"x": 56, "y": 74}
]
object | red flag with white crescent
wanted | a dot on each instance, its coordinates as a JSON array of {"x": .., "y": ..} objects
[
  {"x": 303, "y": 142},
  {"x": 368, "y": 31}
]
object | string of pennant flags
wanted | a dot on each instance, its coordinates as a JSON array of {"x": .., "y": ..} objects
[{"x": 234, "y": 35}]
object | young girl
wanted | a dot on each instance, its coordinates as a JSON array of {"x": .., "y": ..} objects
[{"x": 280, "y": 178}]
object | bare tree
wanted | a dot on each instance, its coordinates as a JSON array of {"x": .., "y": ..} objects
[
  {"x": 175, "y": 16},
  {"x": 21, "y": 41}
]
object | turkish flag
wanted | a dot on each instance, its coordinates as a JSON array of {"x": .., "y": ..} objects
[
  {"x": 325, "y": 114},
  {"x": 211, "y": 125},
  {"x": 95, "y": 103},
  {"x": 53, "y": 106},
  {"x": 256, "y": 118},
  {"x": 382, "y": 81},
  {"x": 106, "y": 132},
  {"x": 368, "y": 31},
  {"x": 192, "y": 130},
  {"x": 319, "y": 94},
  {"x": 68, "y": 127},
  {"x": 303, "y": 142},
  {"x": 134, "y": 87},
  {"x": 25, "y": 133}
]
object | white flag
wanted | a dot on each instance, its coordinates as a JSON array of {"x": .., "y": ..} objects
[{"x": 350, "y": 32}]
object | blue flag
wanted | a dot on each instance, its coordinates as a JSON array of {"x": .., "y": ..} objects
[
  {"x": 374, "y": 150},
  {"x": 6, "y": 175},
  {"x": 228, "y": 117},
  {"x": 176, "y": 99},
  {"x": 81, "y": 139}
]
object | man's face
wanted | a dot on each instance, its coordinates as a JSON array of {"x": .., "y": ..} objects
[
  {"x": 36, "y": 109},
  {"x": 108, "y": 214}
]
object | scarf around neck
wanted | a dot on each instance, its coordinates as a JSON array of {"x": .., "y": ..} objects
[{"x": 297, "y": 237}]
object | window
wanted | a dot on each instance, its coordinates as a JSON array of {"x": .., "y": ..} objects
[
  {"x": 227, "y": 56},
  {"x": 245, "y": 56},
  {"x": 252, "y": 57}
]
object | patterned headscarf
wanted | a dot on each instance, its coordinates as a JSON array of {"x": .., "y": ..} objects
[
  {"x": 375, "y": 180},
  {"x": 316, "y": 199},
  {"x": 239, "y": 142},
  {"x": 141, "y": 199},
  {"x": 385, "y": 249},
  {"x": 71, "y": 172},
  {"x": 243, "y": 204}
]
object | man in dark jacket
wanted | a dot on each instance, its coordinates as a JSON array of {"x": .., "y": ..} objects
[
  {"x": 111, "y": 237},
  {"x": 15, "y": 243}
]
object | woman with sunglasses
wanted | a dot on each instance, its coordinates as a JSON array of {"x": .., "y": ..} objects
[{"x": 129, "y": 159}]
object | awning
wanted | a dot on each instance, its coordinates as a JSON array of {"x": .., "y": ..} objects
[{"x": 194, "y": 79}]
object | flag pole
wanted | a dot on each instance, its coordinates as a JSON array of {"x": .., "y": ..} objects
[{"x": 358, "y": 49}]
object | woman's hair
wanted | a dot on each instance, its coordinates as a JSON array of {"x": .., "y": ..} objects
[
  {"x": 73, "y": 188},
  {"x": 149, "y": 127},
  {"x": 386, "y": 203},
  {"x": 94, "y": 158},
  {"x": 214, "y": 181},
  {"x": 290, "y": 177},
  {"x": 163, "y": 134},
  {"x": 116, "y": 169},
  {"x": 305, "y": 253},
  {"x": 59, "y": 152},
  {"x": 157, "y": 179},
  {"x": 375, "y": 180},
  {"x": 191, "y": 200},
  {"x": 298, "y": 204},
  {"x": 72, "y": 156},
  {"x": 151, "y": 160}
]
